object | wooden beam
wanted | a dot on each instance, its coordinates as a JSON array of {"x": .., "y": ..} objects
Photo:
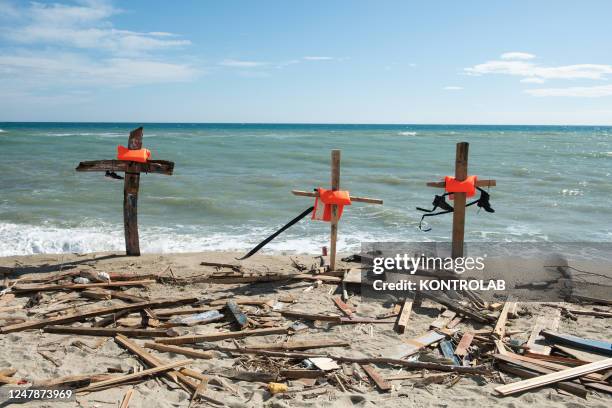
[
  {"x": 300, "y": 345},
  {"x": 543, "y": 322},
  {"x": 402, "y": 320},
  {"x": 180, "y": 350},
  {"x": 130, "y": 198},
  {"x": 237, "y": 314},
  {"x": 461, "y": 173},
  {"x": 109, "y": 332},
  {"x": 500, "y": 326},
  {"x": 522, "y": 372},
  {"x": 177, "y": 376},
  {"x": 344, "y": 308},
  {"x": 222, "y": 336},
  {"x": 457, "y": 308},
  {"x": 310, "y": 316},
  {"x": 590, "y": 345},
  {"x": 335, "y": 185},
  {"x": 78, "y": 286},
  {"x": 376, "y": 377},
  {"x": 118, "y": 380},
  {"x": 152, "y": 166},
  {"x": 355, "y": 199},
  {"x": 479, "y": 183},
  {"x": 554, "y": 377},
  {"x": 464, "y": 344},
  {"x": 28, "y": 325}
]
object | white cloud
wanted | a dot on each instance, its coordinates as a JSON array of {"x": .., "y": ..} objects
[
  {"x": 576, "y": 91},
  {"x": 533, "y": 80},
  {"x": 453, "y": 88},
  {"x": 82, "y": 48},
  {"x": 517, "y": 56},
  {"x": 75, "y": 70},
  {"x": 317, "y": 58},
  {"x": 531, "y": 70},
  {"x": 242, "y": 64}
]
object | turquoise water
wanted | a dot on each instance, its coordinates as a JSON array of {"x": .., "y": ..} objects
[{"x": 232, "y": 183}]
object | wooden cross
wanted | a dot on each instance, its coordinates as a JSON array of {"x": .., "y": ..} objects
[
  {"x": 132, "y": 172},
  {"x": 461, "y": 173},
  {"x": 335, "y": 185}
]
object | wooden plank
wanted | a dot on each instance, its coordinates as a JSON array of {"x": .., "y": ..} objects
[
  {"x": 300, "y": 373},
  {"x": 78, "y": 286},
  {"x": 457, "y": 307},
  {"x": 443, "y": 319},
  {"x": 180, "y": 350},
  {"x": 109, "y": 332},
  {"x": 300, "y": 345},
  {"x": 152, "y": 166},
  {"x": 461, "y": 173},
  {"x": 310, "y": 316},
  {"x": 579, "y": 354},
  {"x": 344, "y": 308},
  {"x": 125, "y": 403},
  {"x": 150, "y": 360},
  {"x": 590, "y": 345},
  {"x": 355, "y": 199},
  {"x": 500, "y": 326},
  {"x": 112, "y": 318},
  {"x": 549, "y": 365},
  {"x": 125, "y": 378},
  {"x": 464, "y": 344},
  {"x": 335, "y": 185},
  {"x": 409, "y": 347},
  {"x": 543, "y": 322},
  {"x": 237, "y": 314},
  {"x": 479, "y": 183},
  {"x": 402, "y": 321},
  {"x": 130, "y": 198},
  {"x": 554, "y": 377},
  {"x": 567, "y": 386},
  {"x": 376, "y": 377},
  {"x": 222, "y": 336},
  {"x": 588, "y": 299},
  {"x": 28, "y": 325}
]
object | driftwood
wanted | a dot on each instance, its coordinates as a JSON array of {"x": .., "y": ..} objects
[
  {"x": 413, "y": 365},
  {"x": 78, "y": 286},
  {"x": 376, "y": 377},
  {"x": 110, "y": 332},
  {"x": 180, "y": 350},
  {"x": 28, "y": 325},
  {"x": 222, "y": 336},
  {"x": 554, "y": 377},
  {"x": 179, "y": 377},
  {"x": 300, "y": 345},
  {"x": 97, "y": 386},
  {"x": 456, "y": 307}
]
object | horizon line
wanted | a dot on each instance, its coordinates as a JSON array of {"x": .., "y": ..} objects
[{"x": 312, "y": 123}]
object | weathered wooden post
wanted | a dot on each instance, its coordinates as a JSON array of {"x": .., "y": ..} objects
[
  {"x": 461, "y": 174},
  {"x": 132, "y": 172},
  {"x": 335, "y": 186}
]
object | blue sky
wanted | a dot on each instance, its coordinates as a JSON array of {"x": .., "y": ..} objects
[{"x": 510, "y": 62}]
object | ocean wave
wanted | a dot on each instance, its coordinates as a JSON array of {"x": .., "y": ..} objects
[
  {"x": 407, "y": 133},
  {"x": 2, "y": 131}
]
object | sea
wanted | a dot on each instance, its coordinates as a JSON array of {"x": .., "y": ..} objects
[{"x": 232, "y": 185}]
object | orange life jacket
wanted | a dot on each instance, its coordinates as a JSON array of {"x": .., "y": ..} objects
[
  {"x": 329, "y": 198},
  {"x": 140, "y": 155},
  {"x": 468, "y": 186}
]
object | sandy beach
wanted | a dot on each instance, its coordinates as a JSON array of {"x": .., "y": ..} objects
[{"x": 38, "y": 356}]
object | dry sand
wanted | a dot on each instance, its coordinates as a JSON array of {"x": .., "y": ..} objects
[{"x": 87, "y": 354}]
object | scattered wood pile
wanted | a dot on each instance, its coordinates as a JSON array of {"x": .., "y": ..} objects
[{"x": 101, "y": 306}]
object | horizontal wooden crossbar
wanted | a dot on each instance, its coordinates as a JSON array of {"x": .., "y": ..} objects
[
  {"x": 479, "y": 183},
  {"x": 152, "y": 166},
  {"x": 356, "y": 199}
]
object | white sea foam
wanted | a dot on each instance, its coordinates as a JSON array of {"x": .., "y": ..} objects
[
  {"x": 2, "y": 131},
  {"x": 21, "y": 239},
  {"x": 407, "y": 133}
]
